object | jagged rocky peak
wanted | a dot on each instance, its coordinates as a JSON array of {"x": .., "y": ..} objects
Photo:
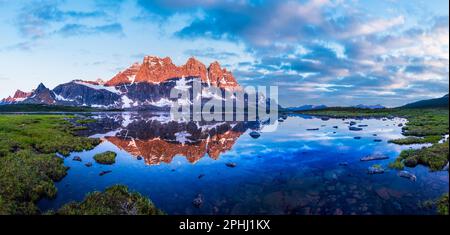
[
  {"x": 17, "y": 97},
  {"x": 125, "y": 77},
  {"x": 156, "y": 70},
  {"x": 42, "y": 95},
  {"x": 195, "y": 68},
  {"x": 41, "y": 87},
  {"x": 220, "y": 77}
]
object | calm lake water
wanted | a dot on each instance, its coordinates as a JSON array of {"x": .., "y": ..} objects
[{"x": 290, "y": 171}]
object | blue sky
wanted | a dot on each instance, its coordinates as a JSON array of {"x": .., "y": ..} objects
[{"x": 318, "y": 52}]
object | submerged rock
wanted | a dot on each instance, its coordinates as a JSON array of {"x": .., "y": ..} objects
[
  {"x": 139, "y": 158},
  {"x": 335, "y": 127},
  {"x": 77, "y": 158},
  {"x": 352, "y": 128},
  {"x": 408, "y": 175},
  {"x": 363, "y": 125},
  {"x": 230, "y": 164},
  {"x": 377, "y": 140},
  {"x": 89, "y": 164},
  {"x": 198, "y": 201},
  {"x": 357, "y": 137},
  {"x": 255, "y": 134},
  {"x": 343, "y": 163},
  {"x": 201, "y": 176},
  {"x": 383, "y": 193},
  {"x": 312, "y": 129},
  {"x": 374, "y": 157},
  {"x": 104, "y": 173}
]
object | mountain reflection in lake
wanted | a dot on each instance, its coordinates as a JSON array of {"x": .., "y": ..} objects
[{"x": 307, "y": 166}]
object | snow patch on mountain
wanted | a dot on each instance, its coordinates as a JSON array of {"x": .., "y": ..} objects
[{"x": 98, "y": 87}]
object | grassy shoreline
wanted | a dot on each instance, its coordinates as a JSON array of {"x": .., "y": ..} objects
[
  {"x": 29, "y": 161},
  {"x": 423, "y": 126}
]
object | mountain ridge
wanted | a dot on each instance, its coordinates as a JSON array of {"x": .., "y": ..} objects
[
  {"x": 141, "y": 85},
  {"x": 430, "y": 103},
  {"x": 156, "y": 70}
]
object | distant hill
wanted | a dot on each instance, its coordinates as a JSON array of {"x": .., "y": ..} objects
[
  {"x": 362, "y": 106},
  {"x": 306, "y": 107},
  {"x": 431, "y": 103}
]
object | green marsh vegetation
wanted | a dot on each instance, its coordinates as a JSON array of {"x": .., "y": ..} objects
[
  {"x": 106, "y": 158},
  {"x": 28, "y": 158},
  {"x": 115, "y": 200},
  {"x": 441, "y": 204}
]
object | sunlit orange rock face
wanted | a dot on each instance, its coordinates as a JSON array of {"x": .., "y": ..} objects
[
  {"x": 155, "y": 151},
  {"x": 18, "y": 96},
  {"x": 155, "y": 70}
]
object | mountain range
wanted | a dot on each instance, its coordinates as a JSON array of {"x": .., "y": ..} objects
[
  {"x": 441, "y": 102},
  {"x": 306, "y": 107},
  {"x": 145, "y": 85},
  {"x": 363, "y": 106}
]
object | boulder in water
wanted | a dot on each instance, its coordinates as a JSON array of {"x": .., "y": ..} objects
[
  {"x": 104, "y": 173},
  {"x": 352, "y": 128},
  {"x": 230, "y": 164},
  {"x": 374, "y": 157},
  {"x": 77, "y": 158},
  {"x": 255, "y": 134},
  {"x": 408, "y": 175}
]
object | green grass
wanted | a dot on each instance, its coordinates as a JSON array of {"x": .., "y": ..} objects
[
  {"x": 423, "y": 126},
  {"x": 29, "y": 166},
  {"x": 28, "y": 161},
  {"x": 416, "y": 140},
  {"x": 377, "y": 166},
  {"x": 41, "y": 134},
  {"x": 435, "y": 157},
  {"x": 26, "y": 177},
  {"x": 86, "y": 121},
  {"x": 442, "y": 205},
  {"x": 116, "y": 200},
  {"x": 106, "y": 158},
  {"x": 397, "y": 164}
]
